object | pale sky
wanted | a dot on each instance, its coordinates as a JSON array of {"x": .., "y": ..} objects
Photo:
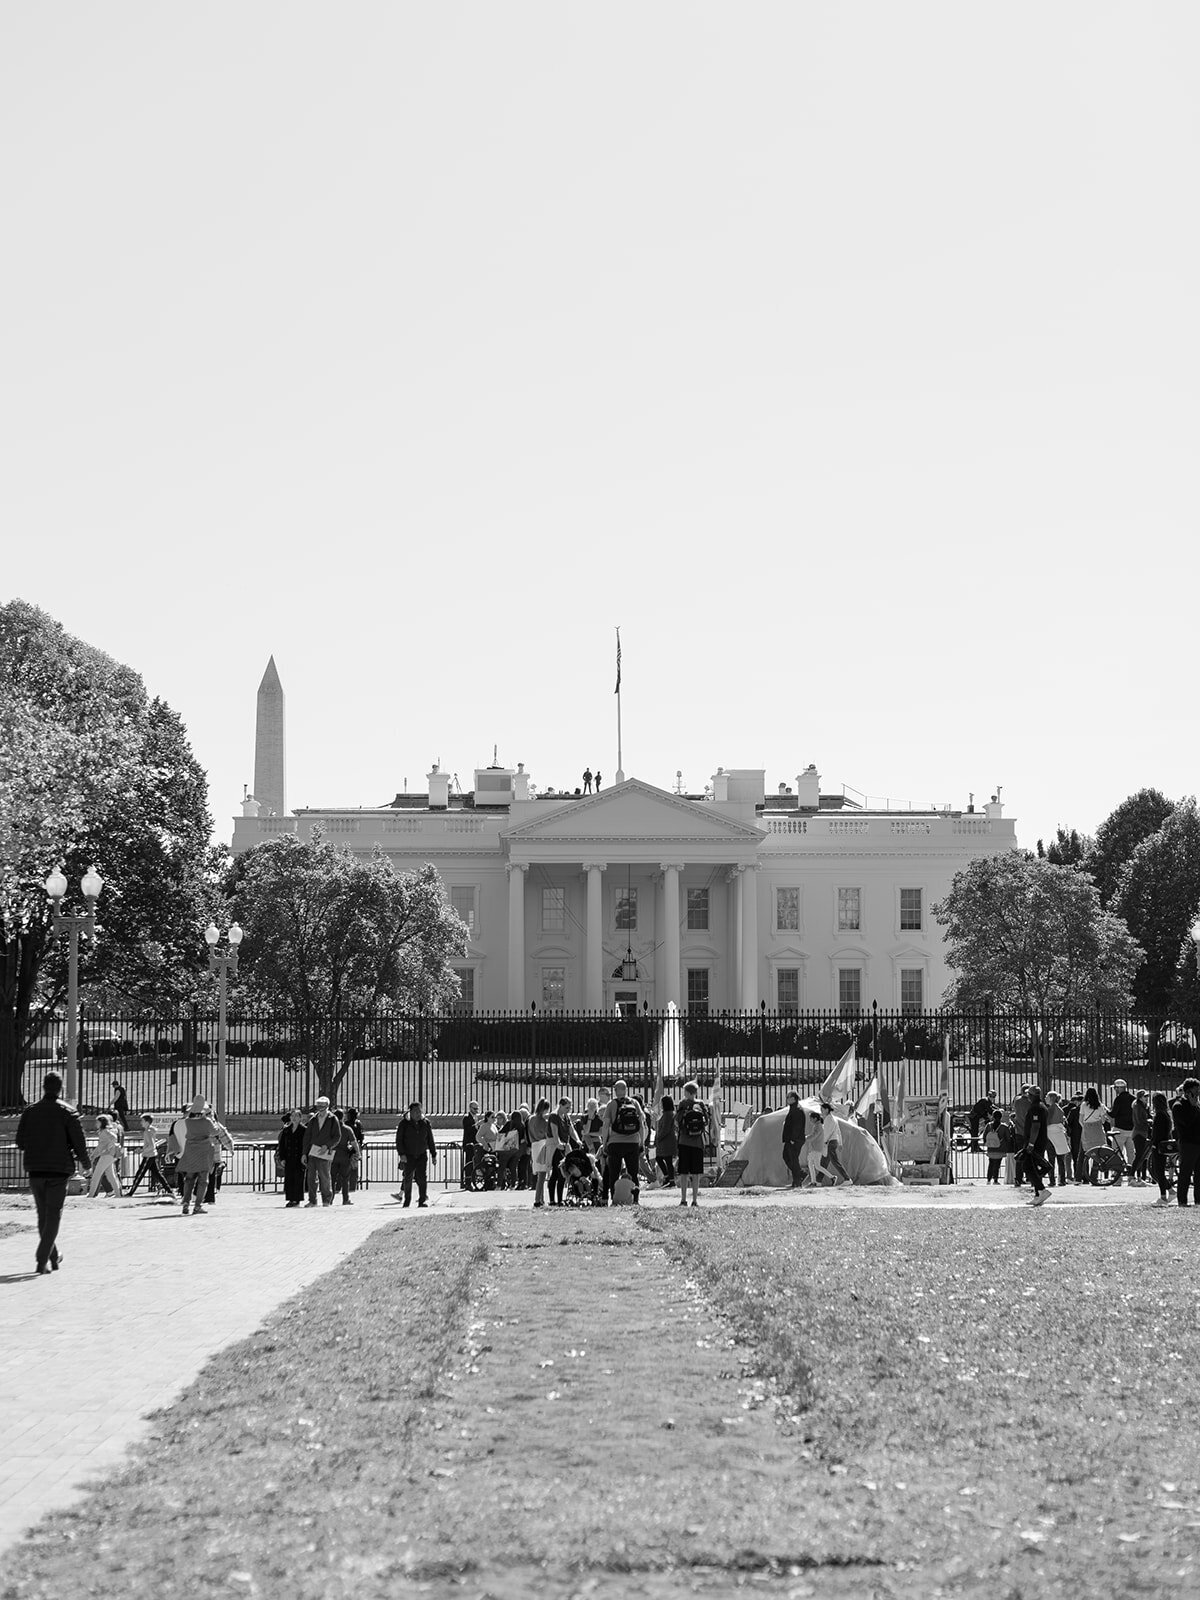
[{"x": 844, "y": 354}]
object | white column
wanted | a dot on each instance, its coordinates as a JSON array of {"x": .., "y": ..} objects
[
  {"x": 594, "y": 954},
  {"x": 735, "y": 966},
  {"x": 671, "y": 871},
  {"x": 749, "y": 883},
  {"x": 516, "y": 935}
]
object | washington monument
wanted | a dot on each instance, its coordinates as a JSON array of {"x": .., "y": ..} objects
[{"x": 270, "y": 784}]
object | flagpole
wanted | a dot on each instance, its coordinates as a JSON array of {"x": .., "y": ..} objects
[{"x": 620, "y": 778}]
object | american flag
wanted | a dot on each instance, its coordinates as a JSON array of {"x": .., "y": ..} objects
[{"x": 617, "y": 690}]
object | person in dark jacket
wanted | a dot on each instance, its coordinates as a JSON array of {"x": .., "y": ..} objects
[
  {"x": 470, "y": 1141},
  {"x": 981, "y": 1116},
  {"x": 1161, "y": 1131},
  {"x": 415, "y": 1147},
  {"x": 289, "y": 1153},
  {"x": 345, "y": 1160},
  {"x": 120, "y": 1105},
  {"x": 50, "y": 1137},
  {"x": 1185, "y": 1114},
  {"x": 1037, "y": 1137},
  {"x": 666, "y": 1140},
  {"x": 793, "y": 1138}
]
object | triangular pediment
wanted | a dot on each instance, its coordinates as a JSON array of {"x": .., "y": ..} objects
[{"x": 634, "y": 811}]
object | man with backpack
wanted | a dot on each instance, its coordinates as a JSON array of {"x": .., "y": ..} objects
[
  {"x": 621, "y": 1138},
  {"x": 696, "y": 1128}
]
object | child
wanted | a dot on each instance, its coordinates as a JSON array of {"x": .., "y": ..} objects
[
  {"x": 812, "y": 1151},
  {"x": 994, "y": 1144}
]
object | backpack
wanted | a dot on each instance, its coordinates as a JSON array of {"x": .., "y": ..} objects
[
  {"x": 625, "y": 1119},
  {"x": 693, "y": 1119}
]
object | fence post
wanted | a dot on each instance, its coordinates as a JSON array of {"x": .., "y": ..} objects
[
  {"x": 875, "y": 1037},
  {"x": 762, "y": 1050},
  {"x": 987, "y": 1046},
  {"x": 532, "y": 1052},
  {"x": 195, "y": 1051}
]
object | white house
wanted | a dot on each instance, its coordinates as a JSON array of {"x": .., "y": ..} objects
[{"x": 634, "y": 894}]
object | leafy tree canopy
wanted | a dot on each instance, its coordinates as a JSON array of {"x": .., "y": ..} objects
[
  {"x": 330, "y": 938},
  {"x": 1066, "y": 849},
  {"x": 1027, "y": 935},
  {"x": 1158, "y": 895},
  {"x": 92, "y": 771},
  {"x": 1119, "y": 835}
]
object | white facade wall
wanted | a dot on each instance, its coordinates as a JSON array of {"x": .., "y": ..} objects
[{"x": 649, "y": 841}]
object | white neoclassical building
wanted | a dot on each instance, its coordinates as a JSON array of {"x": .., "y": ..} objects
[{"x": 635, "y": 894}]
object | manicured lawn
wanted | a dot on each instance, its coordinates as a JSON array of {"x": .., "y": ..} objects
[{"x": 847, "y": 1403}]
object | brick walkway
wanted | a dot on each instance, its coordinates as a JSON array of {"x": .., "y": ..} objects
[{"x": 144, "y": 1298}]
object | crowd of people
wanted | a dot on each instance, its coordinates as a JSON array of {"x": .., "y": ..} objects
[
  {"x": 601, "y": 1155},
  {"x": 1048, "y": 1139}
]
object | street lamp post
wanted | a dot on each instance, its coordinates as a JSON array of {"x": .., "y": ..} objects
[
  {"x": 69, "y": 925},
  {"x": 222, "y": 965}
]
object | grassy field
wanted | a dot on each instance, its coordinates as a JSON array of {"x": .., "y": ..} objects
[{"x": 661, "y": 1403}]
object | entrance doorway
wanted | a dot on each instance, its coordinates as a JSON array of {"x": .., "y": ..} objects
[{"x": 627, "y": 998}]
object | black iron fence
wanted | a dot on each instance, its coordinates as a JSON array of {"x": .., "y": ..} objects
[{"x": 378, "y": 1063}]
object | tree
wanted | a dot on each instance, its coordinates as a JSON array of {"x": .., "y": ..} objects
[
  {"x": 1119, "y": 835},
  {"x": 92, "y": 771},
  {"x": 331, "y": 939},
  {"x": 1158, "y": 895},
  {"x": 1023, "y": 934},
  {"x": 1066, "y": 849}
]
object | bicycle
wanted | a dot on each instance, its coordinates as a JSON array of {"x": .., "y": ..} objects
[{"x": 1104, "y": 1166}]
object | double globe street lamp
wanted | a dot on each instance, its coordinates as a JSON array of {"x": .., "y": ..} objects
[
  {"x": 222, "y": 965},
  {"x": 69, "y": 925}
]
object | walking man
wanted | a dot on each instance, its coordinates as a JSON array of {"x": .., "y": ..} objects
[
  {"x": 50, "y": 1137},
  {"x": 793, "y": 1138},
  {"x": 415, "y": 1146},
  {"x": 1037, "y": 1135}
]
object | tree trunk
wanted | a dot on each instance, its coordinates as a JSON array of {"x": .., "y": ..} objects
[{"x": 12, "y": 1063}]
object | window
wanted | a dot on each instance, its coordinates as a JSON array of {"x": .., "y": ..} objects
[
  {"x": 554, "y": 988},
  {"x": 554, "y": 910},
  {"x": 787, "y": 990},
  {"x": 787, "y": 911},
  {"x": 697, "y": 991},
  {"x": 910, "y": 909},
  {"x": 849, "y": 910},
  {"x": 912, "y": 988},
  {"x": 697, "y": 908},
  {"x": 850, "y": 990},
  {"x": 465, "y": 1004},
  {"x": 462, "y": 900},
  {"x": 627, "y": 910}
]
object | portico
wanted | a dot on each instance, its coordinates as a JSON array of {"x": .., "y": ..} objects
[{"x": 631, "y": 852}]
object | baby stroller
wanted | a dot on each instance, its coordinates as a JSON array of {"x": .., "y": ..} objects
[{"x": 582, "y": 1186}]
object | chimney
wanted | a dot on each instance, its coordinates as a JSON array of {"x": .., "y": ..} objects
[
  {"x": 439, "y": 789},
  {"x": 520, "y": 782},
  {"x": 808, "y": 789},
  {"x": 720, "y": 786},
  {"x": 250, "y": 806},
  {"x": 994, "y": 810}
]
